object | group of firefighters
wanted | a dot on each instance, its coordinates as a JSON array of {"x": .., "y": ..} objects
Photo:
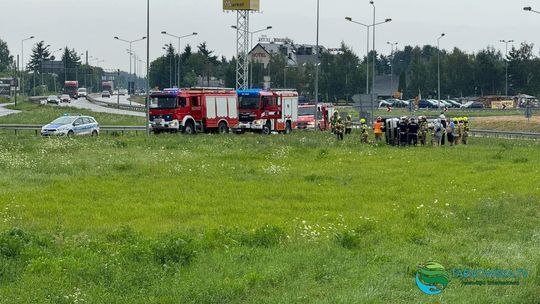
[{"x": 410, "y": 131}]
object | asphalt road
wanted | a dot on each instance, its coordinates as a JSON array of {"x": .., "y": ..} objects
[
  {"x": 4, "y": 111},
  {"x": 114, "y": 99},
  {"x": 82, "y": 103}
]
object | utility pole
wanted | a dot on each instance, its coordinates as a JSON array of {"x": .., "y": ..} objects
[{"x": 506, "y": 62}]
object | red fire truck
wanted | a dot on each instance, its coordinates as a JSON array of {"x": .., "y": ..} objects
[
  {"x": 306, "y": 116},
  {"x": 268, "y": 111},
  {"x": 193, "y": 110},
  {"x": 71, "y": 88}
]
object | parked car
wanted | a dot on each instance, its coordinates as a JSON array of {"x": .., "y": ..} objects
[
  {"x": 65, "y": 98},
  {"x": 53, "y": 99},
  {"x": 105, "y": 94},
  {"x": 427, "y": 103},
  {"x": 473, "y": 105},
  {"x": 82, "y": 92},
  {"x": 385, "y": 103},
  {"x": 70, "y": 125},
  {"x": 454, "y": 103}
]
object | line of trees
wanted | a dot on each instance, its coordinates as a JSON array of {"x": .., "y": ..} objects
[
  {"x": 40, "y": 81},
  {"x": 343, "y": 75}
]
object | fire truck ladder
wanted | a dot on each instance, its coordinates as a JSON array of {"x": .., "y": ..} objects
[{"x": 242, "y": 49}]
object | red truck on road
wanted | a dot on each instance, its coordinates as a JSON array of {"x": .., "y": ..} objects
[
  {"x": 71, "y": 88},
  {"x": 193, "y": 110}
]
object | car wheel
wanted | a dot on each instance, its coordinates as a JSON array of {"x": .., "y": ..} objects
[
  {"x": 70, "y": 133},
  {"x": 222, "y": 128},
  {"x": 189, "y": 128},
  {"x": 95, "y": 133}
]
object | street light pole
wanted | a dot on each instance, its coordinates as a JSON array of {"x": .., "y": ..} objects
[
  {"x": 506, "y": 61},
  {"x": 374, "y": 64},
  {"x": 22, "y": 60},
  {"x": 439, "y": 71},
  {"x": 179, "y": 52},
  {"x": 392, "y": 62},
  {"x": 130, "y": 45},
  {"x": 367, "y": 45},
  {"x": 166, "y": 47},
  {"x": 317, "y": 71},
  {"x": 147, "y": 67},
  {"x": 529, "y": 9}
]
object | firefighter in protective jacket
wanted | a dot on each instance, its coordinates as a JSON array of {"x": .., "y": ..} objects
[
  {"x": 348, "y": 125},
  {"x": 364, "y": 129},
  {"x": 339, "y": 128},
  {"x": 424, "y": 127}
]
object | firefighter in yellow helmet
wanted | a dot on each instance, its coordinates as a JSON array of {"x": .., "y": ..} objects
[
  {"x": 348, "y": 125},
  {"x": 466, "y": 130},
  {"x": 333, "y": 121},
  {"x": 364, "y": 131},
  {"x": 339, "y": 129}
]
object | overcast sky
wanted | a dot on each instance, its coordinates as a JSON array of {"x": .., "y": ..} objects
[{"x": 91, "y": 24}]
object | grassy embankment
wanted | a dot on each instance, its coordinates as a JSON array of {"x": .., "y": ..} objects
[
  {"x": 34, "y": 113},
  {"x": 254, "y": 219}
]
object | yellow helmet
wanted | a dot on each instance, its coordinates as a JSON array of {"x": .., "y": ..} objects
[
  {"x": 349, "y": 116},
  {"x": 466, "y": 119},
  {"x": 339, "y": 118},
  {"x": 362, "y": 121}
]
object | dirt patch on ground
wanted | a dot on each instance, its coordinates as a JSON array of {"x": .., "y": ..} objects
[{"x": 498, "y": 119}]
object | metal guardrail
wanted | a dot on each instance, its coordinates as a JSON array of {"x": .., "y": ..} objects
[
  {"x": 505, "y": 134},
  {"x": 115, "y": 105},
  {"x": 106, "y": 129},
  {"x": 136, "y": 129}
]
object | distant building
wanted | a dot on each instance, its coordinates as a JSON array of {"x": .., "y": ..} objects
[
  {"x": 386, "y": 86},
  {"x": 295, "y": 54}
]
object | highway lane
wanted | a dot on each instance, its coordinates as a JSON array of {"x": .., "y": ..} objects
[
  {"x": 114, "y": 99},
  {"x": 82, "y": 103},
  {"x": 5, "y": 112}
]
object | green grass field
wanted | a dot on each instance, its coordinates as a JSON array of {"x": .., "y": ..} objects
[
  {"x": 255, "y": 219},
  {"x": 34, "y": 113}
]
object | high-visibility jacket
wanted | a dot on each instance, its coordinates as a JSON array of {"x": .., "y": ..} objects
[{"x": 377, "y": 127}]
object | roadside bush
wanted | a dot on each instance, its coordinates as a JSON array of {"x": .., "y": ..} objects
[
  {"x": 12, "y": 242},
  {"x": 266, "y": 236},
  {"x": 348, "y": 239},
  {"x": 173, "y": 249}
]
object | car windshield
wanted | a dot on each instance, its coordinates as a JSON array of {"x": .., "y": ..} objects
[
  {"x": 52, "y": 97},
  {"x": 64, "y": 120},
  {"x": 163, "y": 102},
  {"x": 303, "y": 111},
  {"x": 249, "y": 102}
]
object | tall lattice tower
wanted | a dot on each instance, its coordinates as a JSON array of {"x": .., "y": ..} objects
[{"x": 243, "y": 8}]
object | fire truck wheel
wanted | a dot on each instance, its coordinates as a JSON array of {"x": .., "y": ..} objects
[
  {"x": 288, "y": 128},
  {"x": 267, "y": 129},
  {"x": 189, "y": 128},
  {"x": 222, "y": 128}
]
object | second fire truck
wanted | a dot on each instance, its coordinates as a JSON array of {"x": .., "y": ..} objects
[{"x": 268, "y": 111}]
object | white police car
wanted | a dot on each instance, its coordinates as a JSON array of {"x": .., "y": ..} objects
[{"x": 70, "y": 125}]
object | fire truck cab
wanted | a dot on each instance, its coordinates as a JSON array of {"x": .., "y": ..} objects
[
  {"x": 193, "y": 110},
  {"x": 268, "y": 111},
  {"x": 306, "y": 116}
]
